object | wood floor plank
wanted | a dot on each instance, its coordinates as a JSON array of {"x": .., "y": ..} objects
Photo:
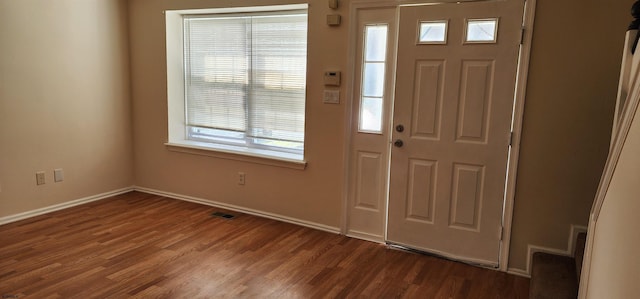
[{"x": 138, "y": 245}]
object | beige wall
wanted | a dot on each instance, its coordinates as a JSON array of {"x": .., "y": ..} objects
[
  {"x": 615, "y": 262},
  {"x": 64, "y": 101},
  {"x": 313, "y": 195},
  {"x": 566, "y": 128},
  {"x": 574, "y": 68}
]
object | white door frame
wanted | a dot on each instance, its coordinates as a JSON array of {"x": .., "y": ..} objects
[{"x": 518, "y": 109}]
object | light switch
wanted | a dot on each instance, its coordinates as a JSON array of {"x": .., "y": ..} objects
[
  {"x": 58, "y": 175},
  {"x": 331, "y": 96}
]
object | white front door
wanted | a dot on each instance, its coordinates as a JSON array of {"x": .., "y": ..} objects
[{"x": 454, "y": 94}]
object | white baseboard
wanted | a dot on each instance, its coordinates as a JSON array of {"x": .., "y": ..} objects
[
  {"x": 365, "y": 236},
  {"x": 518, "y": 272},
  {"x": 64, "y": 205},
  {"x": 314, "y": 225},
  {"x": 531, "y": 249},
  {"x": 88, "y": 199},
  {"x": 575, "y": 230}
]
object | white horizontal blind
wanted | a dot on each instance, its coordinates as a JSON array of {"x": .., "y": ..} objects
[
  {"x": 217, "y": 70},
  {"x": 247, "y": 74}
]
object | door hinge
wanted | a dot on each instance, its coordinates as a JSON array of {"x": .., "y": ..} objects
[
  {"x": 511, "y": 139},
  {"x": 501, "y": 233},
  {"x": 522, "y": 35}
]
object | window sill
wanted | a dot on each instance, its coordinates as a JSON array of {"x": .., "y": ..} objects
[{"x": 257, "y": 156}]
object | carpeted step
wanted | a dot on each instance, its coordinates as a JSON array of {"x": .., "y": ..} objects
[
  {"x": 579, "y": 253},
  {"x": 553, "y": 277}
]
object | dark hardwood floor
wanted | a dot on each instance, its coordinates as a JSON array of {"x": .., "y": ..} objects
[{"x": 147, "y": 246}]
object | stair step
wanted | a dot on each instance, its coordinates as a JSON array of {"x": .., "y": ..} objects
[{"x": 553, "y": 277}]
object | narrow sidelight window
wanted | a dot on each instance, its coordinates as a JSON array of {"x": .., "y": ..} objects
[{"x": 373, "y": 74}]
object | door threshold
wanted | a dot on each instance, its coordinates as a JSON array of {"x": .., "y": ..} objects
[{"x": 399, "y": 247}]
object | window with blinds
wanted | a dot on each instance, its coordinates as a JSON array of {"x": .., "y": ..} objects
[{"x": 245, "y": 79}]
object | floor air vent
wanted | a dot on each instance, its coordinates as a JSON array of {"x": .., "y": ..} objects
[{"x": 222, "y": 215}]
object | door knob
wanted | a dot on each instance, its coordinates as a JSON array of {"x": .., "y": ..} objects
[
  {"x": 398, "y": 143},
  {"x": 400, "y": 128}
]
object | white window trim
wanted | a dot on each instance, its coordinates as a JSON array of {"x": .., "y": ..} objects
[
  {"x": 244, "y": 154},
  {"x": 177, "y": 131}
]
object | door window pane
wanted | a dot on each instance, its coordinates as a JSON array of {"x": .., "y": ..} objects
[
  {"x": 373, "y": 75},
  {"x": 376, "y": 43},
  {"x": 482, "y": 31},
  {"x": 433, "y": 32},
  {"x": 373, "y": 82},
  {"x": 371, "y": 115}
]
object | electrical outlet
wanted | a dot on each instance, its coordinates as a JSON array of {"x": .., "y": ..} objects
[
  {"x": 58, "y": 175},
  {"x": 40, "y": 178},
  {"x": 241, "y": 178}
]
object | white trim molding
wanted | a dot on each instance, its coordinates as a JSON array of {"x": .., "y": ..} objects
[
  {"x": 88, "y": 199},
  {"x": 365, "y": 236},
  {"x": 622, "y": 125},
  {"x": 217, "y": 204},
  {"x": 518, "y": 272},
  {"x": 583, "y": 283},
  {"x": 575, "y": 230},
  {"x": 531, "y": 249},
  {"x": 516, "y": 131},
  {"x": 264, "y": 157},
  {"x": 62, "y": 206}
]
